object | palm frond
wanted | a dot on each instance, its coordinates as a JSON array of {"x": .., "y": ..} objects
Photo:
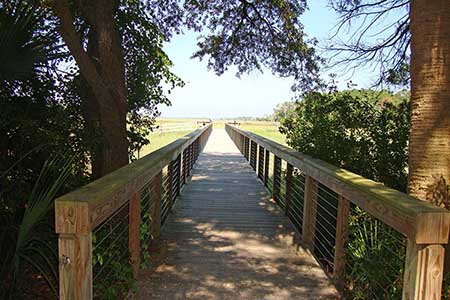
[{"x": 35, "y": 241}]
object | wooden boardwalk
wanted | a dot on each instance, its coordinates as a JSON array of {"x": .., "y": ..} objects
[{"x": 226, "y": 240}]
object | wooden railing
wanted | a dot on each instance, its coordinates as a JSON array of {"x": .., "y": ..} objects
[
  {"x": 106, "y": 226},
  {"x": 375, "y": 242}
]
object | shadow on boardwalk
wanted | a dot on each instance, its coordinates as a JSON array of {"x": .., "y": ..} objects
[{"x": 226, "y": 240}]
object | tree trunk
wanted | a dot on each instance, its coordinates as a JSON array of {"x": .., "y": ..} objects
[
  {"x": 103, "y": 71},
  {"x": 429, "y": 139}
]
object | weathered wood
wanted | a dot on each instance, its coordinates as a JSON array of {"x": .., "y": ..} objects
[
  {"x": 75, "y": 266},
  {"x": 171, "y": 178},
  {"x": 226, "y": 242},
  {"x": 184, "y": 164},
  {"x": 309, "y": 212},
  {"x": 418, "y": 220},
  {"x": 191, "y": 158},
  {"x": 266, "y": 167},
  {"x": 247, "y": 148},
  {"x": 261, "y": 163},
  {"x": 79, "y": 212},
  {"x": 276, "y": 179},
  {"x": 107, "y": 194},
  {"x": 188, "y": 161},
  {"x": 343, "y": 213},
  {"x": 178, "y": 174},
  {"x": 134, "y": 244},
  {"x": 72, "y": 217},
  {"x": 155, "y": 227},
  {"x": 253, "y": 153},
  {"x": 287, "y": 201},
  {"x": 424, "y": 268}
]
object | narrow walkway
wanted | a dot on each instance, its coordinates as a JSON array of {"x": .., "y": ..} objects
[{"x": 227, "y": 240}]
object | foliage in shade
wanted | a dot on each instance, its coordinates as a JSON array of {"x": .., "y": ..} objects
[
  {"x": 28, "y": 43},
  {"x": 28, "y": 241}
]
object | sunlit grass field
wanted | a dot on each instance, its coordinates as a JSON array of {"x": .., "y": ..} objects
[{"x": 171, "y": 129}]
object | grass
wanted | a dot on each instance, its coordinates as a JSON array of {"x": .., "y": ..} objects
[
  {"x": 160, "y": 139},
  {"x": 266, "y": 129}
]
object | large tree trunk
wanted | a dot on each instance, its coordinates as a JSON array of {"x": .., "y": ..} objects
[
  {"x": 103, "y": 71},
  {"x": 429, "y": 140}
]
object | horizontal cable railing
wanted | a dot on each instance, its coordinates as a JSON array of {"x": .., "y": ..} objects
[
  {"x": 373, "y": 241},
  {"x": 105, "y": 228}
]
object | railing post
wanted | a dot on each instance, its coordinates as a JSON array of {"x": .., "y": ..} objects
[
  {"x": 253, "y": 150},
  {"x": 74, "y": 250},
  {"x": 242, "y": 142},
  {"x": 289, "y": 171},
  {"x": 343, "y": 213},
  {"x": 197, "y": 148},
  {"x": 184, "y": 163},
  {"x": 192, "y": 155},
  {"x": 266, "y": 167},
  {"x": 424, "y": 268},
  {"x": 261, "y": 162},
  {"x": 247, "y": 148},
  {"x": 309, "y": 211},
  {"x": 171, "y": 178},
  {"x": 276, "y": 178},
  {"x": 134, "y": 233},
  {"x": 178, "y": 173},
  {"x": 156, "y": 212}
]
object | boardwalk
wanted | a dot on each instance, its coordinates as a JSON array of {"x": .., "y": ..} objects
[{"x": 227, "y": 240}]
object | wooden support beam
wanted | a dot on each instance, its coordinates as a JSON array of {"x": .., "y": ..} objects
[
  {"x": 266, "y": 167},
  {"x": 261, "y": 162},
  {"x": 179, "y": 163},
  {"x": 424, "y": 269},
  {"x": 171, "y": 178},
  {"x": 288, "y": 197},
  {"x": 276, "y": 179},
  {"x": 75, "y": 266},
  {"x": 343, "y": 213},
  {"x": 184, "y": 166},
  {"x": 247, "y": 148},
  {"x": 155, "y": 227},
  {"x": 309, "y": 212},
  {"x": 134, "y": 223},
  {"x": 253, "y": 153}
]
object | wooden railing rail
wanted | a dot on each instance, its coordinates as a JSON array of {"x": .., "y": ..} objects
[
  {"x": 115, "y": 217},
  {"x": 322, "y": 201}
]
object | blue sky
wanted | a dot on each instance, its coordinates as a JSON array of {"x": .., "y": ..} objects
[{"x": 207, "y": 95}]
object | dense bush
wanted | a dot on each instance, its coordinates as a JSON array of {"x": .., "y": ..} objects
[{"x": 363, "y": 131}]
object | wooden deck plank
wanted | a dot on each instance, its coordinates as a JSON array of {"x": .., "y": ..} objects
[{"x": 226, "y": 240}]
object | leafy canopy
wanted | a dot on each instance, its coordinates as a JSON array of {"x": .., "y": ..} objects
[{"x": 247, "y": 34}]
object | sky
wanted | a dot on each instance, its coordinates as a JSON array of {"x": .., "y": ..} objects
[{"x": 207, "y": 95}]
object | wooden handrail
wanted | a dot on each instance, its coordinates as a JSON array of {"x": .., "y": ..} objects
[
  {"x": 79, "y": 212},
  {"x": 103, "y": 196},
  {"x": 418, "y": 220},
  {"x": 425, "y": 225}
]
